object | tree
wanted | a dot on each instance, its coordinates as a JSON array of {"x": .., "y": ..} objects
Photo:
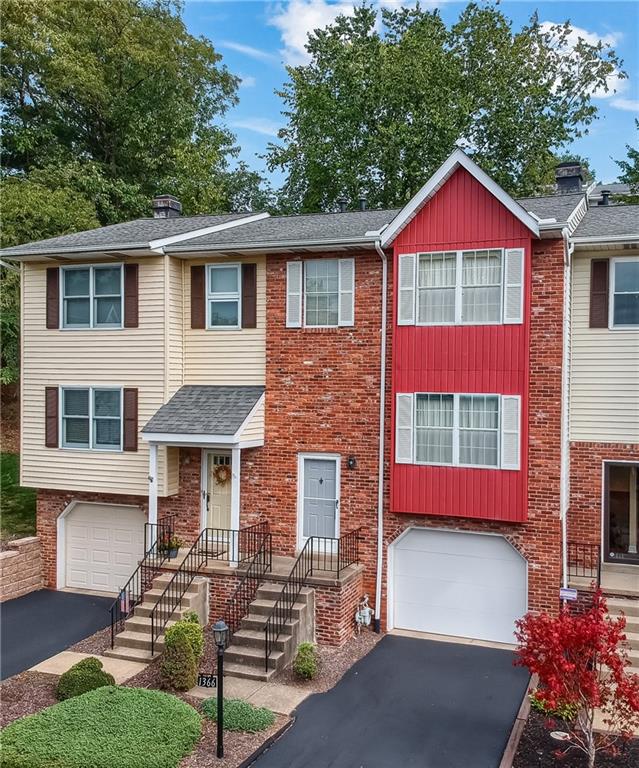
[
  {"x": 630, "y": 172},
  {"x": 581, "y": 662},
  {"x": 377, "y": 110}
]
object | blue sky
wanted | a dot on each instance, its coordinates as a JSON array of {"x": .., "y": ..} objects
[{"x": 257, "y": 40}]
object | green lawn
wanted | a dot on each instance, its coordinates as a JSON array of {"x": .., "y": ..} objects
[
  {"x": 17, "y": 505},
  {"x": 110, "y": 727}
]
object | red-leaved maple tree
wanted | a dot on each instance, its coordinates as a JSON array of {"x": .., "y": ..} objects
[{"x": 582, "y": 661}]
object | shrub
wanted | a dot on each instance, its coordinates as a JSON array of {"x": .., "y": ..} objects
[
  {"x": 566, "y": 712},
  {"x": 305, "y": 664},
  {"x": 189, "y": 629},
  {"x": 192, "y": 617},
  {"x": 177, "y": 667},
  {"x": 86, "y": 675},
  {"x": 111, "y": 726},
  {"x": 239, "y": 715}
]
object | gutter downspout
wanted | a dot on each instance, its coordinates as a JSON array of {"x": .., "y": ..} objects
[
  {"x": 382, "y": 425},
  {"x": 564, "y": 494}
]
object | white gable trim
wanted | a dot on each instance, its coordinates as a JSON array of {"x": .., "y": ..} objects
[
  {"x": 249, "y": 417},
  {"x": 160, "y": 243},
  {"x": 458, "y": 159}
]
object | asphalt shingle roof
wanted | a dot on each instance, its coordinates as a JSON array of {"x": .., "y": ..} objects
[
  {"x": 609, "y": 221},
  {"x": 205, "y": 410},
  {"x": 552, "y": 206}
]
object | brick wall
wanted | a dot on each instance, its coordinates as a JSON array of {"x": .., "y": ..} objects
[
  {"x": 335, "y": 608},
  {"x": 21, "y": 568}
]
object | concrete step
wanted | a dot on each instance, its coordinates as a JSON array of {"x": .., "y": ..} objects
[
  {"x": 131, "y": 654},
  {"x": 257, "y": 622},
  {"x": 145, "y": 608},
  {"x": 265, "y": 607},
  {"x": 160, "y": 582},
  {"x": 270, "y": 591},
  {"x": 632, "y": 638},
  {"x": 153, "y": 595},
  {"x": 143, "y": 624},
  {"x": 129, "y": 639},
  {"x": 633, "y": 656},
  {"x": 250, "y": 673},
  {"x": 632, "y": 624},
  {"x": 255, "y": 639},
  {"x": 252, "y": 657},
  {"x": 617, "y": 604}
]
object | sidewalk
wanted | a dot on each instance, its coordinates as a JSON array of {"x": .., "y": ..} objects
[{"x": 279, "y": 698}]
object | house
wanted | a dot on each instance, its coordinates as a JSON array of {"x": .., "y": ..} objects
[{"x": 420, "y": 393}]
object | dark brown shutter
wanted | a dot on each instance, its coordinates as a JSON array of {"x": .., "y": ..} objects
[
  {"x": 51, "y": 417},
  {"x": 249, "y": 295},
  {"x": 53, "y": 297},
  {"x": 599, "y": 293},
  {"x": 130, "y": 295},
  {"x": 198, "y": 315},
  {"x": 130, "y": 416}
]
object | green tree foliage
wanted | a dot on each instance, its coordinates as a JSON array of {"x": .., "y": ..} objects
[
  {"x": 630, "y": 172},
  {"x": 378, "y": 110}
]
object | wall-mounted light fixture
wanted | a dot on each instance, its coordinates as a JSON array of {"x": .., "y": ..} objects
[{"x": 351, "y": 463}]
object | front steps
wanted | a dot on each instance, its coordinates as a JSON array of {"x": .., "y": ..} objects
[
  {"x": 630, "y": 608},
  {"x": 245, "y": 657},
  {"x": 134, "y": 642}
]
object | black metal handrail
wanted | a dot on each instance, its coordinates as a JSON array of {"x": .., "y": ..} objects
[
  {"x": 132, "y": 593},
  {"x": 320, "y": 553},
  {"x": 237, "y": 605},
  {"x": 584, "y": 560}
]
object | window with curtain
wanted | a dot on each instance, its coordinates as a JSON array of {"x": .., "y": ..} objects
[
  {"x": 321, "y": 292},
  {"x": 92, "y": 297},
  {"x": 479, "y": 430},
  {"x": 434, "y": 428},
  {"x": 481, "y": 286},
  {"x": 625, "y": 292},
  {"x": 436, "y": 277},
  {"x": 224, "y": 296},
  {"x": 92, "y": 418}
]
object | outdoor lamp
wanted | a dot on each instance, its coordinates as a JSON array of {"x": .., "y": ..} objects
[{"x": 220, "y": 633}]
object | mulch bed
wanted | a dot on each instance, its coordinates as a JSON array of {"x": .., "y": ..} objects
[
  {"x": 95, "y": 644},
  {"x": 26, "y": 694},
  {"x": 536, "y": 750}
]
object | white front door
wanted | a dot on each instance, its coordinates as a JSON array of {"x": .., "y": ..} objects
[
  {"x": 318, "y": 496},
  {"x": 218, "y": 490}
]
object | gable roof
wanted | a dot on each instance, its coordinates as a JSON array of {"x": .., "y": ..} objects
[
  {"x": 458, "y": 159},
  {"x": 604, "y": 222}
]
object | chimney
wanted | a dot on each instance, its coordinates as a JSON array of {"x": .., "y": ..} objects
[
  {"x": 569, "y": 177},
  {"x": 342, "y": 202},
  {"x": 605, "y": 197},
  {"x": 166, "y": 207},
  {"x": 362, "y": 201}
]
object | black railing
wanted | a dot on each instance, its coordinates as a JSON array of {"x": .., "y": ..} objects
[
  {"x": 320, "y": 553},
  {"x": 237, "y": 605},
  {"x": 156, "y": 535},
  {"x": 584, "y": 561}
]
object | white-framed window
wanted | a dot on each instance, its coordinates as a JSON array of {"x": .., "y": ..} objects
[
  {"x": 463, "y": 287},
  {"x": 624, "y": 292},
  {"x": 91, "y": 418},
  {"x": 459, "y": 430},
  {"x": 91, "y": 296},
  {"x": 223, "y": 296},
  {"x": 320, "y": 293}
]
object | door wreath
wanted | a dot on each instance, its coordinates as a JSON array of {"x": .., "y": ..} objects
[{"x": 222, "y": 474}]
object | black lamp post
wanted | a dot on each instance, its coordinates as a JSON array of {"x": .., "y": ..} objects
[{"x": 220, "y": 633}]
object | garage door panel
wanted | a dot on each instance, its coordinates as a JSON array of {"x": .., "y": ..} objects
[{"x": 451, "y": 583}]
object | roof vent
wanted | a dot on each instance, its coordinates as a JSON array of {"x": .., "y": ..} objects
[
  {"x": 605, "y": 197},
  {"x": 166, "y": 207},
  {"x": 342, "y": 202},
  {"x": 362, "y": 201},
  {"x": 569, "y": 177}
]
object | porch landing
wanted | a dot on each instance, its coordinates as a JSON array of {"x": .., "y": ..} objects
[{"x": 616, "y": 579}]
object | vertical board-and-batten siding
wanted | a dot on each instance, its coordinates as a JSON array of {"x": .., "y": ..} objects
[
  {"x": 226, "y": 357},
  {"x": 131, "y": 357},
  {"x": 604, "y": 389},
  {"x": 493, "y": 359}
]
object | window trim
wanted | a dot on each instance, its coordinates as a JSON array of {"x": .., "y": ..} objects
[
  {"x": 91, "y": 326},
  {"x": 224, "y": 296},
  {"x": 611, "y": 294},
  {"x": 458, "y": 287},
  {"x": 336, "y": 259},
  {"x": 457, "y": 430},
  {"x": 91, "y": 389}
]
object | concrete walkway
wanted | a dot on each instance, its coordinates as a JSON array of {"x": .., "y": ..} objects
[
  {"x": 121, "y": 669},
  {"x": 279, "y": 698}
]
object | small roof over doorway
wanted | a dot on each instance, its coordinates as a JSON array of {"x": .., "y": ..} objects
[{"x": 210, "y": 416}]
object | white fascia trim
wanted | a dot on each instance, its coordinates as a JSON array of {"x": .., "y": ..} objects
[
  {"x": 179, "y": 438},
  {"x": 274, "y": 245},
  {"x": 458, "y": 159},
  {"x": 577, "y": 215},
  {"x": 70, "y": 250},
  {"x": 605, "y": 239},
  {"x": 250, "y": 444},
  {"x": 161, "y": 242},
  {"x": 250, "y": 415}
]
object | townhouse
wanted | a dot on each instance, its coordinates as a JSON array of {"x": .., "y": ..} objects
[{"x": 455, "y": 381}]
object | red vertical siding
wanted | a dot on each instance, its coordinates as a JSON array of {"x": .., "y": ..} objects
[{"x": 489, "y": 358}]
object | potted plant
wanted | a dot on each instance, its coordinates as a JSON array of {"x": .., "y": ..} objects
[{"x": 169, "y": 545}]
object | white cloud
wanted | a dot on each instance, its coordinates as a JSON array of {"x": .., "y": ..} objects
[
  {"x": 258, "y": 125},
  {"x": 629, "y": 105},
  {"x": 615, "y": 81},
  {"x": 249, "y": 50},
  {"x": 247, "y": 81}
]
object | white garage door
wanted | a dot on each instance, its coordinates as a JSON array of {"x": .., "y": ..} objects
[
  {"x": 461, "y": 584},
  {"x": 104, "y": 543}
]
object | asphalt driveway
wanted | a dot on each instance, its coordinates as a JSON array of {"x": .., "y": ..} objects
[
  {"x": 410, "y": 702},
  {"x": 43, "y": 623}
]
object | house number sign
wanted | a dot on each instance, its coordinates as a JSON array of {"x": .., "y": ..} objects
[{"x": 207, "y": 681}]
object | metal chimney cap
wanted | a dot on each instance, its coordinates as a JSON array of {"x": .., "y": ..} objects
[
  {"x": 166, "y": 206},
  {"x": 342, "y": 201}
]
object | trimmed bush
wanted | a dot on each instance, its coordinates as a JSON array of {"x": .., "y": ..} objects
[
  {"x": 189, "y": 629},
  {"x": 85, "y": 676},
  {"x": 239, "y": 715},
  {"x": 192, "y": 617},
  {"x": 177, "y": 666},
  {"x": 305, "y": 664},
  {"x": 111, "y": 726}
]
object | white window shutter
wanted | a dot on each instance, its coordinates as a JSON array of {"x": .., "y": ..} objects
[
  {"x": 347, "y": 291},
  {"x": 510, "y": 431},
  {"x": 294, "y": 294},
  {"x": 514, "y": 285},
  {"x": 404, "y": 429},
  {"x": 406, "y": 292}
]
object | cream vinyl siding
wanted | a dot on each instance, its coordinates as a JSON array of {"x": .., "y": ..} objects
[
  {"x": 226, "y": 356},
  {"x": 132, "y": 357},
  {"x": 172, "y": 470},
  {"x": 254, "y": 430},
  {"x": 176, "y": 314},
  {"x": 604, "y": 405}
]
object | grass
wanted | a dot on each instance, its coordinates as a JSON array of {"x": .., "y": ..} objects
[
  {"x": 18, "y": 504},
  {"x": 239, "y": 715},
  {"x": 111, "y": 726}
]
